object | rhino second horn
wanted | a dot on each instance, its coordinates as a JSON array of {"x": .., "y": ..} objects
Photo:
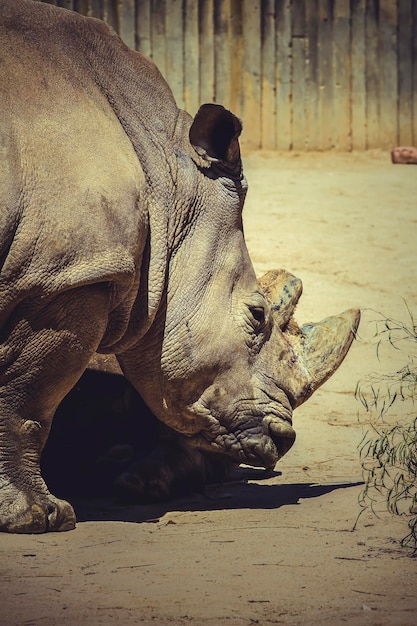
[
  {"x": 282, "y": 290},
  {"x": 321, "y": 348}
]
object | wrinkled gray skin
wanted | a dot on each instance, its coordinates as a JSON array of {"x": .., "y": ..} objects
[{"x": 121, "y": 232}]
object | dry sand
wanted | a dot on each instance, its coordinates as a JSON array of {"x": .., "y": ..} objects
[{"x": 276, "y": 550}]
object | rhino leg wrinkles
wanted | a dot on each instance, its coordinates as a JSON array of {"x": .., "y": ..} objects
[{"x": 48, "y": 346}]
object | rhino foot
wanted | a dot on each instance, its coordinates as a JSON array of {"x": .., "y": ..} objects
[{"x": 34, "y": 513}]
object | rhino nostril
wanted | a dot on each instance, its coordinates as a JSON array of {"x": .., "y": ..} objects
[
  {"x": 282, "y": 434},
  {"x": 283, "y": 445}
]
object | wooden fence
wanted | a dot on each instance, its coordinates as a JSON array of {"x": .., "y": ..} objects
[{"x": 302, "y": 74}]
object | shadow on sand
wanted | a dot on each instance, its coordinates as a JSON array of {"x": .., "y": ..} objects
[{"x": 239, "y": 495}]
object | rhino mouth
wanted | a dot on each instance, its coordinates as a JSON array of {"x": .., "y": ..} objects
[
  {"x": 260, "y": 443},
  {"x": 264, "y": 446}
]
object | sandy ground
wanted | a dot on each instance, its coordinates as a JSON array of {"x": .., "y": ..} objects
[{"x": 279, "y": 550}]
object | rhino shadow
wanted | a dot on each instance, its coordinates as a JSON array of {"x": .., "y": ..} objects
[
  {"x": 230, "y": 497},
  {"x": 102, "y": 417}
]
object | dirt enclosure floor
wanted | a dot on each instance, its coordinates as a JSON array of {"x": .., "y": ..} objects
[{"x": 277, "y": 550}]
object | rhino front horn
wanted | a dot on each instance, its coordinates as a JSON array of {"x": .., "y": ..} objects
[{"x": 320, "y": 349}]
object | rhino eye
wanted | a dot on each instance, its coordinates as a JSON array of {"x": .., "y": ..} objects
[{"x": 258, "y": 314}]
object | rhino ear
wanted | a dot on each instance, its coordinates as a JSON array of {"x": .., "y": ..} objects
[{"x": 214, "y": 134}]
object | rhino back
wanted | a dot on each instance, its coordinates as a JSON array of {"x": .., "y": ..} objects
[{"x": 73, "y": 184}]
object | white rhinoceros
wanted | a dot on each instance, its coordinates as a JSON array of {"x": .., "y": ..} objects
[{"x": 121, "y": 232}]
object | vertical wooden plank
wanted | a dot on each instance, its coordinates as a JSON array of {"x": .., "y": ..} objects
[
  {"x": 268, "y": 112},
  {"x": 222, "y": 63},
  {"x": 191, "y": 61},
  {"x": 251, "y": 73},
  {"x": 405, "y": 73},
  {"x": 143, "y": 27},
  {"x": 414, "y": 57},
  {"x": 158, "y": 34},
  {"x": 283, "y": 75},
  {"x": 312, "y": 76},
  {"x": 299, "y": 126},
  {"x": 174, "y": 68},
  {"x": 110, "y": 13},
  {"x": 342, "y": 73},
  {"x": 325, "y": 72},
  {"x": 127, "y": 21},
  {"x": 358, "y": 8},
  {"x": 236, "y": 54},
  {"x": 372, "y": 75},
  {"x": 388, "y": 74},
  {"x": 95, "y": 8},
  {"x": 206, "y": 51},
  {"x": 82, "y": 6}
]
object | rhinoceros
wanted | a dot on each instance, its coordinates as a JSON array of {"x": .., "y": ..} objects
[{"x": 121, "y": 233}]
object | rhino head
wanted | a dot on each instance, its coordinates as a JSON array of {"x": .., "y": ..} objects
[{"x": 225, "y": 364}]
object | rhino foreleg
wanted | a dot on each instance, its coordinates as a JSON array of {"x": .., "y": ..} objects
[{"x": 47, "y": 348}]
